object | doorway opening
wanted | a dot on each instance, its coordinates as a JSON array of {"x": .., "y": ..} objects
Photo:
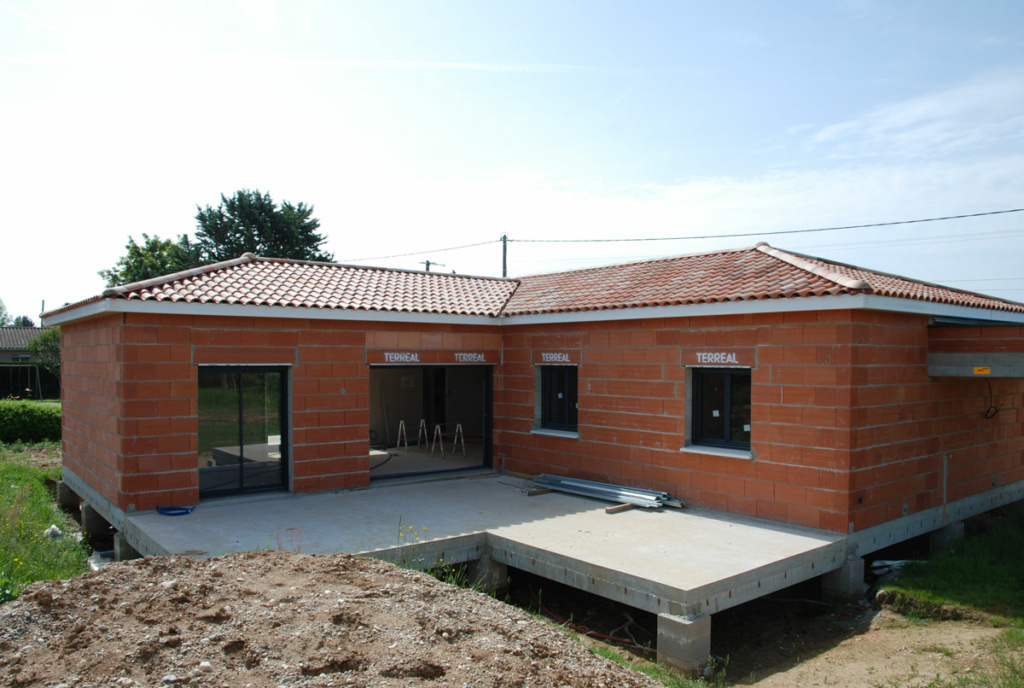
[{"x": 429, "y": 419}]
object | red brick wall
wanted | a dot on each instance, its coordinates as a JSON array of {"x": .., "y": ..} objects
[
  {"x": 149, "y": 458},
  {"x": 915, "y": 437},
  {"x": 632, "y": 412},
  {"x": 91, "y": 432},
  {"x": 847, "y": 428}
]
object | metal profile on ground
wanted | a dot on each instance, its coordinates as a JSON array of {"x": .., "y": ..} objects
[{"x": 648, "y": 499}]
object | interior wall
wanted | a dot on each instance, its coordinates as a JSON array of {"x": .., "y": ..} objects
[
  {"x": 465, "y": 400},
  {"x": 397, "y": 394}
]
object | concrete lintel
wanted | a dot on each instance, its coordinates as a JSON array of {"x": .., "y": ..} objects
[
  {"x": 113, "y": 515},
  {"x": 877, "y": 537},
  {"x": 684, "y": 642},
  {"x": 957, "y": 364},
  {"x": 615, "y": 585}
]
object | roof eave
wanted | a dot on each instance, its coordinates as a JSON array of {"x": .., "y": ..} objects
[{"x": 119, "y": 305}]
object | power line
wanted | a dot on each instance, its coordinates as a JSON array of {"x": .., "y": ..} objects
[
  {"x": 420, "y": 253},
  {"x": 505, "y": 238},
  {"x": 756, "y": 234},
  {"x": 988, "y": 279},
  {"x": 933, "y": 239}
]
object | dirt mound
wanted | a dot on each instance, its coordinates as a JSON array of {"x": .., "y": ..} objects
[{"x": 280, "y": 619}]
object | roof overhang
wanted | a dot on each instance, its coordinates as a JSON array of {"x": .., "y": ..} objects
[
  {"x": 114, "y": 305},
  {"x": 790, "y": 305},
  {"x": 784, "y": 305}
]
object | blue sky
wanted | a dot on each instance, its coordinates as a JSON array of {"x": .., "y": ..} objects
[{"x": 413, "y": 126}]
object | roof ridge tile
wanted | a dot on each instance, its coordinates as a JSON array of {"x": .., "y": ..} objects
[{"x": 802, "y": 262}]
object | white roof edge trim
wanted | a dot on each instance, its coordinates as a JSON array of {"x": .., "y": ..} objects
[
  {"x": 236, "y": 310},
  {"x": 889, "y": 303},
  {"x": 801, "y": 304},
  {"x": 89, "y": 310},
  {"x": 814, "y": 303},
  {"x": 793, "y": 305}
]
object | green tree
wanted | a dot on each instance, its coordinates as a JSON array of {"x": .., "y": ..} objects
[
  {"x": 154, "y": 257},
  {"x": 24, "y": 321},
  {"x": 250, "y": 221},
  {"x": 5, "y": 318},
  {"x": 45, "y": 349}
]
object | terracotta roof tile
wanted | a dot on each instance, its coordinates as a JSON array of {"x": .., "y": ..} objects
[
  {"x": 751, "y": 274},
  {"x": 254, "y": 281},
  {"x": 735, "y": 275}
]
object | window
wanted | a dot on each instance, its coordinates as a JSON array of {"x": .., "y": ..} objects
[
  {"x": 721, "y": 407},
  {"x": 21, "y": 358},
  {"x": 558, "y": 397},
  {"x": 242, "y": 430}
]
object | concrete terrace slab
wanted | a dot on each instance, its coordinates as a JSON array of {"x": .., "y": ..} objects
[{"x": 685, "y": 561}]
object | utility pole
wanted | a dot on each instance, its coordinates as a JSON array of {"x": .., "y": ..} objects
[
  {"x": 428, "y": 263},
  {"x": 504, "y": 255}
]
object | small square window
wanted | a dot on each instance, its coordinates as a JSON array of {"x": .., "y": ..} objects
[
  {"x": 721, "y": 407},
  {"x": 558, "y": 397}
]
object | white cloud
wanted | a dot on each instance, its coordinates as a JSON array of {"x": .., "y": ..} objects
[{"x": 963, "y": 119}]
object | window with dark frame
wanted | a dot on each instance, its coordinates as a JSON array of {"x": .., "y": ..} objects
[
  {"x": 721, "y": 407},
  {"x": 243, "y": 443},
  {"x": 558, "y": 397}
]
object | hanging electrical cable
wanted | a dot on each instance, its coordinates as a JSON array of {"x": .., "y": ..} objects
[
  {"x": 992, "y": 411},
  {"x": 777, "y": 232}
]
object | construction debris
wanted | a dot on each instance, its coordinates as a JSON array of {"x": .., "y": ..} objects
[{"x": 648, "y": 499}]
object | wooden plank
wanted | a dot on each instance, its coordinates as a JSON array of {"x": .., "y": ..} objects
[{"x": 619, "y": 509}]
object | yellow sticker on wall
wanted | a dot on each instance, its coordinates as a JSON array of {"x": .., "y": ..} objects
[{"x": 982, "y": 370}]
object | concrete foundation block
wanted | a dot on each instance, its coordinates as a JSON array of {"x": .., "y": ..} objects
[
  {"x": 67, "y": 498},
  {"x": 122, "y": 550},
  {"x": 489, "y": 575},
  {"x": 846, "y": 583},
  {"x": 946, "y": 537},
  {"x": 684, "y": 642},
  {"x": 92, "y": 522}
]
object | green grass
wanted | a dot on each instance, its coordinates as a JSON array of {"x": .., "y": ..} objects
[
  {"x": 983, "y": 572},
  {"x": 664, "y": 674},
  {"x": 27, "y": 509}
]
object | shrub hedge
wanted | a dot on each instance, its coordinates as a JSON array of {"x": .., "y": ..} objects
[{"x": 26, "y": 421}]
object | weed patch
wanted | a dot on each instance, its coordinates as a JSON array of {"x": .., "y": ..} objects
[{"x": 27, "y": 553}]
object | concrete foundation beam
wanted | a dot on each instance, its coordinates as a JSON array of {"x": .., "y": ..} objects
[
  {"x": 946, "y": 537},
  {"x": 93, "y": 522},
  {"x": 684, "y": 642},
  {"x": 846, "y": 583},
  {"x": 67, "y": 498},
  {"x": 489, "y": 575},
  {"x": 122, "y": 550}
]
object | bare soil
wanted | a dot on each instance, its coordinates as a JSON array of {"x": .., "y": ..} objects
[
  {"x": 784, "y": 644},
  {"x": 275, "y": 618}
]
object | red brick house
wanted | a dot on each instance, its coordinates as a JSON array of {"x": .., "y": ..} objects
[{"x": 755, "y": 381}]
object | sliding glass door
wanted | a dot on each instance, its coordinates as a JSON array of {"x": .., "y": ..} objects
[{"x": 242, "y": 430}]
